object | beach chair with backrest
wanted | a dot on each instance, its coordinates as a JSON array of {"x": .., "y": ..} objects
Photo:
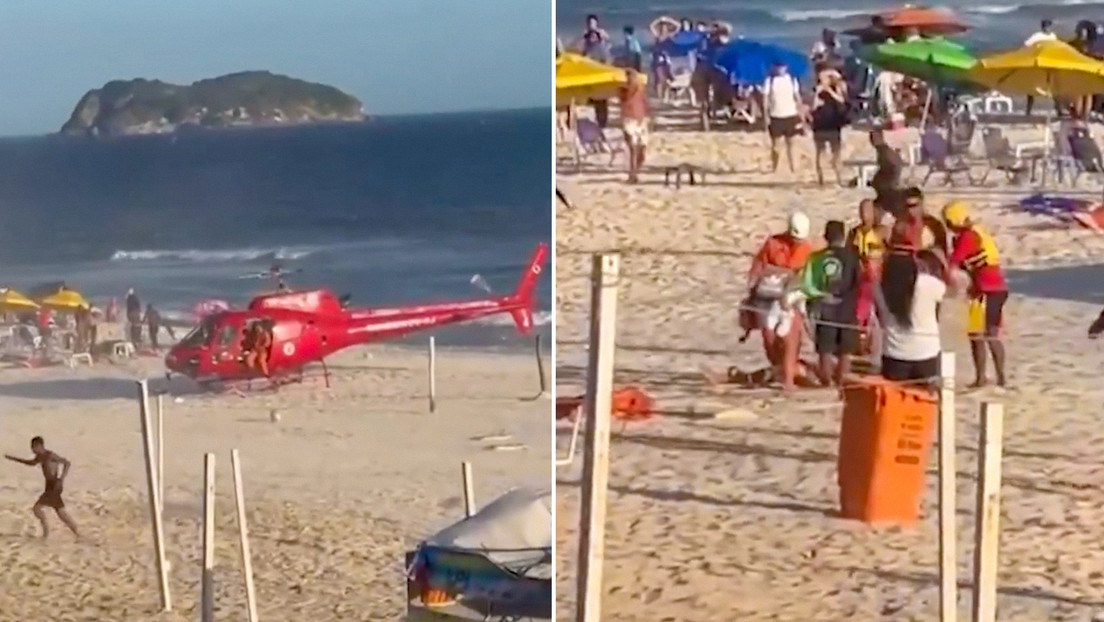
[
  {"x": 593, "y": 141},
  {"x": 935, "y": 152},
  {"x": 1000, "y": 156},
  {"x": 962, "y": 133},
  {"x": 680, "y": 84},
  {"x": 1085, "y": 156}
]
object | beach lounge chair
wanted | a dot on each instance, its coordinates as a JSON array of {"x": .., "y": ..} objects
[
  {"x": 1085, "y": 156},
  {"x": 935, "y": 152},
  {"x": 680, "y": 85},
  {"x": 593, "y": 141},
  {"x": 962, "y": 135},
  {"x": 1000, "y": 156}
]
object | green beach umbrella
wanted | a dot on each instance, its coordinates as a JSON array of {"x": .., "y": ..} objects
[{"x": 935, "y": 61}]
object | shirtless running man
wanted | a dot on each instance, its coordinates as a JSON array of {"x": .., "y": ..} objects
[{"x": 54, "y": 469}]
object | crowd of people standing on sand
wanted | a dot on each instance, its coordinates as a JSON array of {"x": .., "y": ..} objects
[{"x": 892, "y": 270}]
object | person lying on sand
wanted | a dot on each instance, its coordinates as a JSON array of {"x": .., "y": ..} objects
[{"x": 54, "y": 470}]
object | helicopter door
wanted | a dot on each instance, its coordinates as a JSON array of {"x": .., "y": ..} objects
[{"x": 228, "y": 342}]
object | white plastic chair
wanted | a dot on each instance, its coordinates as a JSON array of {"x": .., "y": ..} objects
[
  {"x": 995, "y": 103},
  {"x": 678, "y": 86}
]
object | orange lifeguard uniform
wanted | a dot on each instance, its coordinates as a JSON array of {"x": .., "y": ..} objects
[
  {"x": 257, "y": 355},
  {"x": 786, "y": 252}
]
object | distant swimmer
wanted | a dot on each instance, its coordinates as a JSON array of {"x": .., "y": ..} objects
[{"x": 54, "y": 469}]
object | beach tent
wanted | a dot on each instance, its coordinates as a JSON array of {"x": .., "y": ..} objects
[
  {"x": 503, "y": 554},
  {"x": 749, "y": 62}
]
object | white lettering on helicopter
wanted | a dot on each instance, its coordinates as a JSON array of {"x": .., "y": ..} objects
[{"x": 396, "y": 325}]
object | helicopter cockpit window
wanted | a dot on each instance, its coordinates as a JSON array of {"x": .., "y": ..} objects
[
  {"x": 199, "y": 335},
  {"x": 227, "y": 335}
]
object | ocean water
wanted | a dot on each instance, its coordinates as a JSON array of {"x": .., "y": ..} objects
[
  {"x": 797, "y": 23},
  {"x": 398, "y": 209}
]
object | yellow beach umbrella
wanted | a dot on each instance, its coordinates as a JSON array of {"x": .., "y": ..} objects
[
  {"x": 1046, "y": 69},
  {"x": 13, "y": 301},
  {"x": 579, "y": 78},
  {"x": 65, "y": 300}
]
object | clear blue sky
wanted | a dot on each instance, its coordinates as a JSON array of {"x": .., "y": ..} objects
[{"x": 396, "y": 56}]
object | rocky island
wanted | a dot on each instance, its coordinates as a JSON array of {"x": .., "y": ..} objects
[{"x": 246, "y": 99}]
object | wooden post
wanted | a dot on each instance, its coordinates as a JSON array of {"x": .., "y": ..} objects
[
  {"x": 432, "y": 374},
  {"x": 207, "y": 584},
  {"x": 154, "y": 498},
  {"x": 469, "y": 490},
  {"x": 948, "y": 561},
  {"x": 987, "y": 529},
  {"x": 161, "y": 451},
  {"x": 540, "y": 368},
  {"x": 243, "y": 536},
  {"x": 599, "y": 394}
]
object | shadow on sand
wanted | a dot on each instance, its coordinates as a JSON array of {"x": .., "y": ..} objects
[{"x": 94, "y": 388}]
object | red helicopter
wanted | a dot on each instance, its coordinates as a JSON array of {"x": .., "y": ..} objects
[{"x": 306, "y": 327}]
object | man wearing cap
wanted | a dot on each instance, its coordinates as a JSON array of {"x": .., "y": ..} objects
[
  {"x": 975, "y": 253},
  {"x": 780, "y": 257}
]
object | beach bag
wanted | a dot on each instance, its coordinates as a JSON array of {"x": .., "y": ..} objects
[{"x": 771, "y": 286}]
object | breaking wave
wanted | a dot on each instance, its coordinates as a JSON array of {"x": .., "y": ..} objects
[{"x": 196, "y": 255}]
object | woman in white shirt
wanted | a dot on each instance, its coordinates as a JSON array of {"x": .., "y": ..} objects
[{"x": 908, "y": 299}]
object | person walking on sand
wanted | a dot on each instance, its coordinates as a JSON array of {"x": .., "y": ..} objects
[
  {"x": 975, "y": 253},
  {"x": 153, "y": 324},
  {"x": 829, "y": 117},
  {"x": 634, "y": 121},
  {"x": 54, "y": 470},
  {"x": 134, "y": 317},
  {"x": 782, "y": 95}
]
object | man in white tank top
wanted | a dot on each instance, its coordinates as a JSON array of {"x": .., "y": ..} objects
[{"x": 782, "y": 100}]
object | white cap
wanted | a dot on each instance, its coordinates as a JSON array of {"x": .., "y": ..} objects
[{"x": 799, "y": 226}]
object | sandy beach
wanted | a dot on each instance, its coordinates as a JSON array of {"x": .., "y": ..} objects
[
  {"x": 733, "y": 519},
  {"x": 348, "y": 479}
]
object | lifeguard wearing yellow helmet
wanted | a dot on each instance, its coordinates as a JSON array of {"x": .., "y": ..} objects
[
  {"x": 956, "y": 214},
  {"x": 975, "y": 252}
]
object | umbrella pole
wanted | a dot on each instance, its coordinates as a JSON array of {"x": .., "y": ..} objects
[
  {"x": 571, "y": 126},
  {"x": 927, "y": 107}
]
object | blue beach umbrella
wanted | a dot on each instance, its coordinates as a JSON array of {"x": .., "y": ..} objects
[
  {"x": 683, "y": 43},
  {"x": 749, "y": 62}
]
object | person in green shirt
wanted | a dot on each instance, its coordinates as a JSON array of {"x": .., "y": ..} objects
[{"x": 829, "y": 282}]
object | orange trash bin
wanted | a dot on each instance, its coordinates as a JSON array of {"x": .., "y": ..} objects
[{"x": 885, "y": 437}]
